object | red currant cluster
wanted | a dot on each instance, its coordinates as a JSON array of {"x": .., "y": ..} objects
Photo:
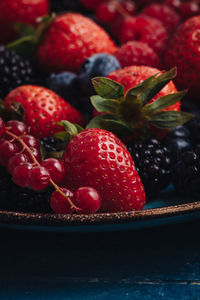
[{"x": 20, "y": 153}]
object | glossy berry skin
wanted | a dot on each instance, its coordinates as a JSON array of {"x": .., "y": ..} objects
[
  {"x": 42, "y": 109},
  {"x": 15, "y": 161},
  {"x": 164, "y": 13},
  {"x": 55, "y": 168},
  {"x": 137, "y": 53},
  {"x": 183, "y": 51},
  {"x": 8, "y": 149},
  {"x": 31, "y": 141},
  {"x": 70, "y": 39},
  {"x": 144, "y": 29},
  {"x": 13, "y": 11},
  {"x": 92, "y": 4},
  {"x": 16, "y": 127},
  {"x": 20, "y": 174},
  {"x": 87, "y": 199},
  {"x": 106, "y": 12},
  {"x": 189, "y": 9},
  {"x": 98, "y": 159},
  {"x": 97, "y": 65},
  {"x": 59, "y": 203},
  {"x": 53, "y": 144},
  {"x": 2, "y": 127},
  {"x": 38, "y": 178},
  {"x": 35, "y": 152}
]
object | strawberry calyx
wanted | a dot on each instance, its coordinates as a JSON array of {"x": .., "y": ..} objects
[
  {"x": 30, "y": 37},
  {"x": 16, "y": 112},
  {"x": 133, "y": 112}
]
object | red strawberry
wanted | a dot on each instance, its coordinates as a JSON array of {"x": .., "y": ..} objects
[
  {"x": 137, "y": 53},
  {"x": 131, "y": 76},
  {"x": 42, "y": 109},
  {"x": 97, "y": 158},
  {"x": 144, "y": 29},
  {"x": 164, "y": 13},
  {"x": 70, "y": 39},
  {"x": 12, "y": 11},
  {"x": 183, "y": 51}
]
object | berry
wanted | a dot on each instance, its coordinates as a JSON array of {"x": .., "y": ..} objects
[
  {"x": 16, "y": 127},
  {"x": 14, "y": 71},
  {"x": 91, "y": 4},
  {"x": 189, "y": 9},
  {"x": 42, "y": 109},
  {"x": 186, "y": 173},
  {"x": 8, "y": 149},
  {"x": 52, "y": 144},
  {"x": 14, "y": 11},
  {"x": 97, "y": 158},
  {"x": 15, "y": 161},
  {"x": 144, "y": 29},
  {"x": 69, "y": 40},
  {"x": 2, "y": 127},
  {"x": 153, "y": 164},
  {"x": 35, "y": 152},
  {"x": 106, "y": 12},
  {"x": 38, "y": 178},
  {"x": 176, "y": 4},
  {"x": 55, "y": 168},
  {"x": 31, "y": 141},
  {"x": 26, "y": 200},
  {"x": 97, "y": 65},
  {"x": 20, "y": 174},
  {"x": 59, "y": 203},
  {"x": 183, "y": 51},
  {"x": 137, "y": 53},
  {"x": 87, "y": 199},
  {"x": 164, "y": 13}
]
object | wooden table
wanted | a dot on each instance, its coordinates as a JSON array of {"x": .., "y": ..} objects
[{"x": 159, "y": 263}]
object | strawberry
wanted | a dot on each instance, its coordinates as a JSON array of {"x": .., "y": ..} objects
[
  {"x": 69, "y": 40},
  {"x": 137, "y": 101},
  {"x": 144, "y": 29},
  {"x": 13, "y": 11},
  {"x": 137, "y": 53},
  {"x": 164, "y": 13},
  {"x": 97, "y": 158},
  {"x": 42, "y": 109},
  {"x": 183, "y": 52}
]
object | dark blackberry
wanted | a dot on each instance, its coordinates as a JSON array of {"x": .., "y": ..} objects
[
  {"x": 153, "y": 164},
  {"x": 52, "y": 144},
  {"x": 65, "y": 5},
  {"x": 186, "y": 173},
  {"x": 5, "y": 183},
  {"x": 26, "y": 200},
  {"x": 14, "y": 71}
]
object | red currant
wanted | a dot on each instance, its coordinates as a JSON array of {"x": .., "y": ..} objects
[
  {"x": 189, "y": 9},
  {"x": 20, "y": 174},
  {"x": 106, "y": 12},
  {"x": 38, "y": 178},
  {"x": 16, "y": 127},
  {"x": 15, "y": 161},
  {"x": 129, "y": 6},
  {"x": 31, "y": 141},
  {"x": 55, "y": 168},
  {"x": 176, "y": 4},
  {"x": 59, "y": 203},
  {"x": 2, "y": 127},
  {"x": 8, "y": 149},
  {"x": 35, "y": 152},
  {"x": 87, "y": 199}
]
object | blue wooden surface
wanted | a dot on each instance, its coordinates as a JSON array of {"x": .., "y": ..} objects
[{"x": 159, "y": 263}]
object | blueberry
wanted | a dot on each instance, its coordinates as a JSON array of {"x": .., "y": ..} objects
[
  {"x": 97, "y": 65},
  {"x": 179, "y": 132},
  {"x": 177, "y": 146}
]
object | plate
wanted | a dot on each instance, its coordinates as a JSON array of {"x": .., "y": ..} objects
[{"x": 166, "y": 209}]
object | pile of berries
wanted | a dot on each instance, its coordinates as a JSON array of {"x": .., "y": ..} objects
[{"x": 20, "y": 154}]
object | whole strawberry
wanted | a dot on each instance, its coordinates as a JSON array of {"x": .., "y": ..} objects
[
  {"x": 13, "y": 11},
  {"x": 70, "y": 39},
  {"x": 137, "y": 53},
  {"x": 183, "y": 51},
  {"x": 144, "y": 29},
  {"x": 97, "y": 158},
  {"x": 42, "y": 109}
]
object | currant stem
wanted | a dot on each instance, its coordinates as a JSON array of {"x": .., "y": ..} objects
[
  {"x": 121, "y": 10},
  {"x": 25, "y": 147}
]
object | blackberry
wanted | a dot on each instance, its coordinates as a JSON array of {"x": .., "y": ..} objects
[
  {"x": 186, "y": 173},
  {"x": 64, "y": 5},
  {"x": 5, "y": 183},
  {"x": 153, "y": 164},
  {"x": 26, "y": 200},
  {"x": 52, "y": 144},
  {"x": 14, "y": 71}
]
